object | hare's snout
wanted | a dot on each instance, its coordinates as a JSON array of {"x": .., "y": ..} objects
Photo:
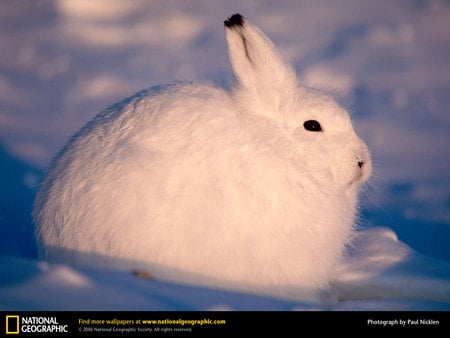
[
  {"x": 352, "y": 164},
  {"x": 364, "y": 165}
]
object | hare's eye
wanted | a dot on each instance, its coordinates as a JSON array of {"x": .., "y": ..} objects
[{"x": 312, "y": 125}]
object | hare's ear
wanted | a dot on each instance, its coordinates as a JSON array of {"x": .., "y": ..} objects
[{"x": 256, "y": 63}]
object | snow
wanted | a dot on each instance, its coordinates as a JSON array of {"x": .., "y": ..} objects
[
  {"x": 380, "y": 274},
  {"x": 63, "y": 62}
]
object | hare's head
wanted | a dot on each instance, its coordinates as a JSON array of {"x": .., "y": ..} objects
[{"x": 325, "y": 143}]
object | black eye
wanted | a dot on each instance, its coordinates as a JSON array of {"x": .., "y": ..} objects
[{"x": 312, "y": 125}]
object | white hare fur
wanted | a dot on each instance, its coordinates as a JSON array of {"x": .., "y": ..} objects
[{"x": 204, "y": 186}]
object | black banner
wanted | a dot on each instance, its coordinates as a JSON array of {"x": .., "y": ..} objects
[{"x": 212, "y": 324}]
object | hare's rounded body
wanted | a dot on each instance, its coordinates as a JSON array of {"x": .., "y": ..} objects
[{"x": 238, "y": 190}]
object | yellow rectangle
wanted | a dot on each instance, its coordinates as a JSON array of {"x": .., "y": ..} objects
[{"x": 8, "y": 318}]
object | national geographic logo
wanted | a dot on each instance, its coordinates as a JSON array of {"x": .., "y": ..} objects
[{"x": 16, "y": 324}]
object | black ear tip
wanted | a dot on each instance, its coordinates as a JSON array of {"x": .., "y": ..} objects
[{"x": 234, "y": 20}]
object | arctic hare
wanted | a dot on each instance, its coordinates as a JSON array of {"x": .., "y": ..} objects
[{"x": 254, "y": 189}]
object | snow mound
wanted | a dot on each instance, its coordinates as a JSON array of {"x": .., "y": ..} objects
[{"x": 380, "y": 273}]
